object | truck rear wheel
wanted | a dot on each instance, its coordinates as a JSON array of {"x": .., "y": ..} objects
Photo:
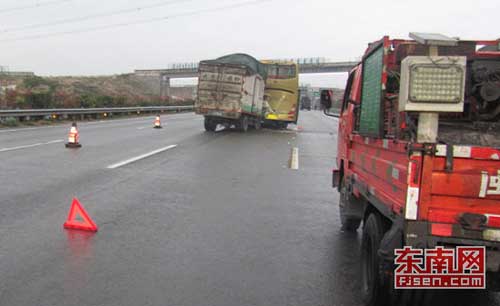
[
  {"x": 349, "y": 223},
  {"x": 415, "y": 297},
  {"x": 244, "y": 123},
  {"x": 374, "y": 294},
  {"x": 257, "y": 124},
  {"x": 210, "y": 125}
]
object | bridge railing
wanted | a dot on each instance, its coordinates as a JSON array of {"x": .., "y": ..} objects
[
  {"x": 300, "y": 61},
  {"x": 313, "y": 65}
]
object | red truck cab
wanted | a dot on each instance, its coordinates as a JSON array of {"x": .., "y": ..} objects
[{"x": 409, "y": 192}]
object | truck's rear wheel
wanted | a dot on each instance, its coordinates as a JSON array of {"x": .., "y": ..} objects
[
  {"x": 374, "y": 294},
  {"x": 210, "y": 125},
  {"x": 257, "y": 124},
  {"x": 349, "y": 223},
  {"x": 415, "y": 297},
  {"x": 244, "y": 123}
]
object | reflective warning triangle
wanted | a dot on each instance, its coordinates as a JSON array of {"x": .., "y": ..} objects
[{"x": 76, "y": 211}]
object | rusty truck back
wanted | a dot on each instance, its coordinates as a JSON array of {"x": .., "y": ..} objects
[{"x": 231, "y": 92}]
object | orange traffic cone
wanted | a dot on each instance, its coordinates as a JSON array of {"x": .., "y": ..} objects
[
  {"x": 157, "y": 122},
  {"x": 73, "y": 137}
]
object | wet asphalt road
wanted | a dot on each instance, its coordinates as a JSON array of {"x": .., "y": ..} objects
[{"x": 218, "y": 220}]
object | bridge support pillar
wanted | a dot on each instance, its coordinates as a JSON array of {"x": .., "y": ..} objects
[{"x": 164, "y": 86}]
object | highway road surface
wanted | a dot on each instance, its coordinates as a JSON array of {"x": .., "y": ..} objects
[{"x": 185, "y": 217}]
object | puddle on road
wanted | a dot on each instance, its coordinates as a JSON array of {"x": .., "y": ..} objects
[{"x": 79, "y": 253}]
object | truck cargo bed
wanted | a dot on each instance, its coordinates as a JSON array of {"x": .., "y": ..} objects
[{"x": 229, "y": 90}]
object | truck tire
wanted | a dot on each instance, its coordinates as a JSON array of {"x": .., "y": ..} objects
[
  {"x": 210, "y": 125},
  {"x": 244, "y": 124},
  {"x": 414, "y": 297},
  {"x": 373, "y": 293},
  {"x": 257, "y": 124},
  {"x": 349, "y": 223}
]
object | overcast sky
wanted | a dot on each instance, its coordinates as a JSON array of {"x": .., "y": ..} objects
[{"x": 202, "y": 29}]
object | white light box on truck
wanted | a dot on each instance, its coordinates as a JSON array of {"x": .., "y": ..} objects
[{"x": 432, "y": 84}]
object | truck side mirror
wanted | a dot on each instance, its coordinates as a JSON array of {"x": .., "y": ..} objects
[{"x": 326, "y": 99}]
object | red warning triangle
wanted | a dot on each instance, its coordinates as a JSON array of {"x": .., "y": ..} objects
[{"x": 77, "y": 210}]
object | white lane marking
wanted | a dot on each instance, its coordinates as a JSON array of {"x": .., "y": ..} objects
[
  {"x": 134, "y": 159},
  {"x": 31, "y": 145},
  {"x": 28, "y": 129},
  {"x": 143, "y": 127},
  {"x": 294, "y": 159}
]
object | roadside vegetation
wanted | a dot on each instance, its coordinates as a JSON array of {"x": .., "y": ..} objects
[
  {"x": 36, "y": 92},
  {"x": 81, "y": 92}
]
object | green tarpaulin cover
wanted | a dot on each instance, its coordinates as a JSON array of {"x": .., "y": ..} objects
[{"x": 243, "y": 59}]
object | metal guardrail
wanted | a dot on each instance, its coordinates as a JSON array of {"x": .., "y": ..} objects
[{"x": 89, "y": 111}]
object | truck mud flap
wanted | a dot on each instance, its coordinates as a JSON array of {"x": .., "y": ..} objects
[{"x": 393, "y": 239}]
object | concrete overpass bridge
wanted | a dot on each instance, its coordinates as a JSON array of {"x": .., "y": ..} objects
[{"x": 190, "y": 70}]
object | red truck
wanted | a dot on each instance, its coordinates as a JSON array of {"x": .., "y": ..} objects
[{"x": 418, "y": 158}]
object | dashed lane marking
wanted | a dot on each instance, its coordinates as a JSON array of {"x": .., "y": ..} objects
[
  {"x": 30, "y": 145},
  {"x": 294, "y": 159},
  {"x": 134, "y": 159}
]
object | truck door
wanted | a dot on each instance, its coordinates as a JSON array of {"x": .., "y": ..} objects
[{"x": 348, "y": 111}]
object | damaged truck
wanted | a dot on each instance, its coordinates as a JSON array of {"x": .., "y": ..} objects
[{"x": 231, "y": 92}]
